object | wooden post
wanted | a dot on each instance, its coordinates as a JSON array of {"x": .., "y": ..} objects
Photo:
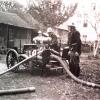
[
  {"x": 7, "y": 37},
  {"x": 96, "y": 49},
  {"x": 20, "y": 45}
]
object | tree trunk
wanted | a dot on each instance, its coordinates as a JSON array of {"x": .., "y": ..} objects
[{"x": 95, "y": 49}]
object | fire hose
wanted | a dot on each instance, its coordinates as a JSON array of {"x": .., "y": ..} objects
[
  {"x": 64, "y": 65},
  {"x": 20, "y": 90},
  {"x": 29, "y": 58}
]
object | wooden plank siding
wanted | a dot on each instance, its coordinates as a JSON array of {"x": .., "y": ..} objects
[
  {"x": 3, "y": 35},
  {"x": 15, "y": 31},
  {"x": 22, "y": 36},
  {"x": 11, "y": 36}
]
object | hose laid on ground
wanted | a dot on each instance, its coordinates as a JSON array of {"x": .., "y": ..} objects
[
  {"x": 17, "y": 91},
  {"x": 65, "y": 64},
  {"x": 20, "y": 90}
]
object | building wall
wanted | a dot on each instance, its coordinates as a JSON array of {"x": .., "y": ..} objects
[
  {"x": 3, "y": 35},
  {"x": 22, "y": 37},
  {"x": 11, "y": 36}
]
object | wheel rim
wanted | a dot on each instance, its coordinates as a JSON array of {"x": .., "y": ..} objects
[{"x": 12, "y": 60}]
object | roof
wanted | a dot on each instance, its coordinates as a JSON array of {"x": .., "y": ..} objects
[
  {"x": 13, "y": 19},
  {"x": 30, "y": 20},
  {"x": 62, "y": 27}
]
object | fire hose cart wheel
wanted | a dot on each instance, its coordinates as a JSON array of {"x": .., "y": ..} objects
[{"x": 12, "y": 59}]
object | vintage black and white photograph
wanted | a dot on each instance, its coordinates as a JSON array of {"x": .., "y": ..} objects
[{"x": 49, "y": 50}]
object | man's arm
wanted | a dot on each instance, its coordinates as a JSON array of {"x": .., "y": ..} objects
[{"x": 69, "y": 39}]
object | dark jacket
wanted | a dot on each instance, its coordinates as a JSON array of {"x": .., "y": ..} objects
[
  {"x": 54, "y": 42},
  {"x": 74, "y": 37}
]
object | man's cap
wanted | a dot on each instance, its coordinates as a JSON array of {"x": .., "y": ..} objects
[
  {"x": 72, "y": 25},
  {"x": 49, "y": 30},
  {"x": 39, "y": 32}
]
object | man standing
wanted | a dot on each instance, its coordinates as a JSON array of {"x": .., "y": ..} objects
[
  {"x": 74, "y": 42},
  {"x": 53, "y": 41},
  {"x": 74, "y": 37}
]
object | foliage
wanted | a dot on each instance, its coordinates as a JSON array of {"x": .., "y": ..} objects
[
  {"x": 15, "y": 7},
  {"x": 45, "y": 12},
  {"x": 51, "y": 13},
  {"x": 9, "y": 5}
]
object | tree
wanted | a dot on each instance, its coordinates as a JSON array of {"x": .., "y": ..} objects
[
  {"x": 9, "y": 6},
  {"x": 95, "y": 23},
  {"x": 91, "y": 21},
  {"x": 15, "y": 7},
  {"x": 51, "y": 13}
]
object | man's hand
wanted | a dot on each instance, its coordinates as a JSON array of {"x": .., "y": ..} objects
[{"x": 69, "y": 53}]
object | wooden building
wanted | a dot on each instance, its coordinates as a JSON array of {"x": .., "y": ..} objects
[{"x": 14, "y": 31}]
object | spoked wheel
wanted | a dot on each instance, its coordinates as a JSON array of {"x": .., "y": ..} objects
[{"x": 12, "y": 59}]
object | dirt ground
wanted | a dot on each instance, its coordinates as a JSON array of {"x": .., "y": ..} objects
[{"x": 56, "y": 86}]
